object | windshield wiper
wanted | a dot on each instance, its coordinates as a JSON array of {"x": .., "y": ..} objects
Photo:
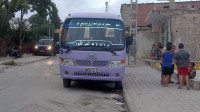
[
  {"x": 109, "y": 50},
  {"x": 70, "y": 48}
]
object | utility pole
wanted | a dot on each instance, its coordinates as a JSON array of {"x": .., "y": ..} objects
[
  {"x": 107, "y": 2},
  {"x": 172, "y": 7},
  {"x": 172, "y": 4},
  {"x": 133, "y": 31},
  {"x": 49, "y": 27}
]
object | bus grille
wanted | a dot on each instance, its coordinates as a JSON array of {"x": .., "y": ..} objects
[
  {"x": 83, "y": 62},
  {"x": 91, "y": 63},
  {"x": 91, "y": 74},
  {"x": 100, "y": 63}
]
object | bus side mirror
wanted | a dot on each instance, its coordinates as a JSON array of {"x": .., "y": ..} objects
[{"x": 129, "y": 40}]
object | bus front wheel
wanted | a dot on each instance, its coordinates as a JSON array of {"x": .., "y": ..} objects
[
  {"x": 118, "y": 85},
  {"x": 66, "y": 83}
]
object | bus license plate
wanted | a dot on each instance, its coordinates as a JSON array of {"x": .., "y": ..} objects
[{"x": 91, "y": 70}]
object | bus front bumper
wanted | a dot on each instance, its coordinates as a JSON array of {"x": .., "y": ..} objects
[{"x": 92, "y": 73}]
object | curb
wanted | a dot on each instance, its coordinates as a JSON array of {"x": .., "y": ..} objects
[
  {"x": 129, "y": 104},
  {"x": 125, "y": 94}
]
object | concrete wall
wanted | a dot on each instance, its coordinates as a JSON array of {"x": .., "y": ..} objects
[
  {"x": 165, "y": 34},
  {"x": 125, "y": 13},
  {"x": 145, "y": 40},
  {"x": 186, "y": 29}
]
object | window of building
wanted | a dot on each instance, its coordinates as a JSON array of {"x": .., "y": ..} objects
[
  {"x": 192, "y": 6},
  {"x": 165, "y": 7}
]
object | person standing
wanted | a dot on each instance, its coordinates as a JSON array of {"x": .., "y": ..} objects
[
  {"x": 163, "y": 51},
  {"x": 166, "y": 61},
  {"x": 182, "y": 60},
  {"x": 172, "y": 67},
  {"x": 155, "y": 51}
]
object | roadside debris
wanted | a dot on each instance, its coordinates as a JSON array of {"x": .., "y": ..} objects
[
  {"x": 119, "y": 103},
  {"x": 11, "y": 63},
  {"x": 119, "y": 100}
]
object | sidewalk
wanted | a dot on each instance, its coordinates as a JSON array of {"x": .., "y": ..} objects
[
  {"x": 25, "y": 59},
  {"x": 143, "y": 92}
]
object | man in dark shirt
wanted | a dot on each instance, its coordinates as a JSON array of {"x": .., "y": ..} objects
[{"x": 182, "y": 60}]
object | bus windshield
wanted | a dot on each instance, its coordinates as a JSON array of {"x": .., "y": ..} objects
[{"x": 93, "y": 34}]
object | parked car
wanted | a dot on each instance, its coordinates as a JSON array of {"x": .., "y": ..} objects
[{"x": 45, "y": 46}]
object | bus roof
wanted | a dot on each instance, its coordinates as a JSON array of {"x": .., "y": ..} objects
[{"x": 95, "y": 15}]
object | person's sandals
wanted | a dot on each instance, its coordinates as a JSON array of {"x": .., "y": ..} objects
[
  {"x": 179, "y": 88},
  {"x": 177, "y": 83},
  {"x": 171, "y": 82},
  {"x": 188, "y": 88}
]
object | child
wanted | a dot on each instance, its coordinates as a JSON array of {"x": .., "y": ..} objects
[
  {"x": 159, "y": 52},
  {"x": 192, "y": 71},
  {"x": 172, "y": 67},
  {"x": 152, "y": 52},
  {"x": 166, "y": 61}
]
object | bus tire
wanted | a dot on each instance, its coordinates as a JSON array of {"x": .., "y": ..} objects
[
  {"x": 118, "y": 85},
  {"x": 66, "y": 83}
]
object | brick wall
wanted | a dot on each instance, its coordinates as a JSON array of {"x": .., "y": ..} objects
[
  {"x": 186, "y": 29},
  {"x": 145, "y": 9}
]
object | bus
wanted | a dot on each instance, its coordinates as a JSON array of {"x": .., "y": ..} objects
[{"x": 93, "y": 48}]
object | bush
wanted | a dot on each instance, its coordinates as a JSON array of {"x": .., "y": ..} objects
[{"x": 11, "y": 63}]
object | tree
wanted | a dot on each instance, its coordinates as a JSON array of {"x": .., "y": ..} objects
[
  {"x": 41, "y": 30},
  {"x": 55, "y": 19},
  {"x": 37, "y": 20},
  {"x": 23, "y": 7},
  {"x": 5, "y": 17},
  {"x": 41, "y": 6}
]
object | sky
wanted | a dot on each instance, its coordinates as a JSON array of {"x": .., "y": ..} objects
[{"x": 91, "y": 6}]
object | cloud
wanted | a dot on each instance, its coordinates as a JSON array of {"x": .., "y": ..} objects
[
  {"x": 85, "y": 6},
  {"x": 90, "y": 6}
]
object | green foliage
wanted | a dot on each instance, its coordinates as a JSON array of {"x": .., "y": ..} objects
[
  {"x": 37, "y": 20},
  {"x": 19, "y": 5},
  {"x": 55, "y": 19},
  {"x": 41, "y": 6},
  {"x": 40, "y": 31},
  {"x": 5, "y": 16},
  {"x": 11, "y": 63}
]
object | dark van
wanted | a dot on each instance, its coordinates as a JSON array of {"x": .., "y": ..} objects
[{"x": 45, "y": 46}]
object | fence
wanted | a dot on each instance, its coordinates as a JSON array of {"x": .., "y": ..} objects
[{"x": 4, "y": 48}]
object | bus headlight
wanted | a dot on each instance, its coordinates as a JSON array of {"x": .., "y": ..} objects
[
  {"x": 49, "y": 48},
  {"x": 116, "y": 63},
  {"x": 68, "y": 62}
]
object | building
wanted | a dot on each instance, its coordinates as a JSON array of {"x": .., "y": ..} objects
[
  {"x": 179, "y": 27},
  {"x": 157, "y": 23},
  {"x": 14, "y": 24}
]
